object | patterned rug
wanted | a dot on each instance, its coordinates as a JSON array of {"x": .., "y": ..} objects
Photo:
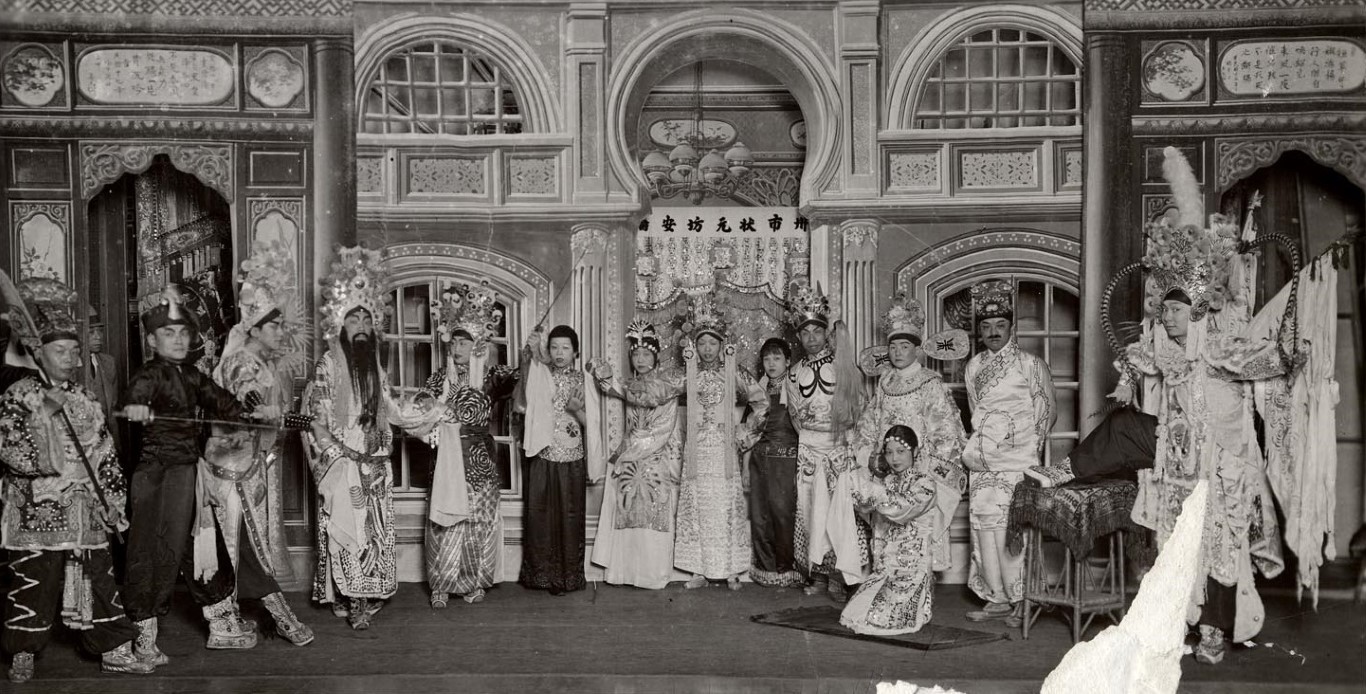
[{"x": 826, "y": 620}]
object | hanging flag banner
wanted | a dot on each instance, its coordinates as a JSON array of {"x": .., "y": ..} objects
[{"x": 691, "y": 248}]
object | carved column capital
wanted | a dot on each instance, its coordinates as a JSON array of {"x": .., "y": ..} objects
[
  {"x": 860, "y": 233},
  {"x": 588, "y": 241}
]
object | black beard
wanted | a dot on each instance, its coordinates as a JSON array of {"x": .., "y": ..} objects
[{"x": 364, "y": 370}]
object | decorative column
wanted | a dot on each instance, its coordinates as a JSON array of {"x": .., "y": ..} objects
[
  {"x": 859, "y": 51},
  {"x": 334, "y": 160},
  {"x": 1112, "y": 234},
  {"x": 596, "y": 306},
  {"x": 585, "y": 71},
  {"x": 859, "y": 269}
]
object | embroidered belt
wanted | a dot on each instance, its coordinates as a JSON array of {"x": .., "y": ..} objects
[
  {"x": 786, "y": 451},
  {"x": 223, "y": 473}
]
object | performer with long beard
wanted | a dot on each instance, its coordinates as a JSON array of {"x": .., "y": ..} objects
[
  {"x": 57, "y": 518},
  {"x": 240, "y": 471},
  {"x": 464, "y": 539},
  {"x": 353, "y": 409}
]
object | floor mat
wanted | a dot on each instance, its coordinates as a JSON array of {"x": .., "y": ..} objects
[{"x": 826, "y": 620}]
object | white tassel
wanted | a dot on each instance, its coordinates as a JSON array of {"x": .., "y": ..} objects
[{"x": 1190, "y": 203}]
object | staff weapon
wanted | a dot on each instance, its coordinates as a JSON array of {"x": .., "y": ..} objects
[{"x": 18, "y": 312}]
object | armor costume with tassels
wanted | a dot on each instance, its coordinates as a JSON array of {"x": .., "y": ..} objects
[
  {"x": 823, "y": 392},
  {"x": 166, "y": 490},
  {"x": 241, "y": 470},
  {"x": 635, "y": 541},
  {"x": 464, "y": 537},
  {"x": 1204, "y": 377},
  {"x": 713, "y": 521},
  {"x": 56, "y": 519}
]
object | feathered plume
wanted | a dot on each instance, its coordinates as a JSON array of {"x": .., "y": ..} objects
[{"x": 1190, "y": 203}]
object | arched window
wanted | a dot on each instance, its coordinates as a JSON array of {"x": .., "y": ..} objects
[
  {"x": 1046, "y": 324},
  {"x": 1000, "y": 77},
  {"x": 441, "y": 88}
]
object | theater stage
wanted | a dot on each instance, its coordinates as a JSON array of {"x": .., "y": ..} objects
[{"x": 626, "y": 640}]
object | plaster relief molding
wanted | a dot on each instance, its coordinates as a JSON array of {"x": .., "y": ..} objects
[
  {"x": 1235, "y": 159},
  {"x": 861, "y": 233},
  {"x": 1249, "y": 123},
  {"x": 1154, "y": 206},
  {"x": 913, "y": 170},
  {"x": 116, "y": 126},
  {"x": 531, "y": 282},
  {"x": 104, "y": 162},
  {"x": 1004, "y": 169},
  {"x": 586, "y": 240},
  {"x": 1011, "y": 240},
  {"x": 532, "y": 176}
]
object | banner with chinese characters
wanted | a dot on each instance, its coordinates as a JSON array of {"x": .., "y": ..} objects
[{"x": 691, "y": 249}]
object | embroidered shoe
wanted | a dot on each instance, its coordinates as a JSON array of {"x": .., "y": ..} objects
[
  {"x": 439, "y": 600},
  {"x": 1210, "y": 650},
  {"x": 475, "y": 596},
  {"x": 21, "y": 669},
  {"x": 145, "y": 645},
  {"x": 696, "y": 582},
  {"x": 227, "y": 629},
  {"x": 287, "y": 624},
  {"x": 123, "y": 659}
]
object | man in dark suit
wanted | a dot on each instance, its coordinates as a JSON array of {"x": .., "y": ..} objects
[{"x": 101, "y": 377}]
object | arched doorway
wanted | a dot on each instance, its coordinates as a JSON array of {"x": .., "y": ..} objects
[
  {"x": 148, "y": 230},
  {"x": 1314, "y": 206}
]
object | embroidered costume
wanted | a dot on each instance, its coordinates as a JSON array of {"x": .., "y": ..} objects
[
  {"x": 635, "y": 540},
  {"x": 351, "y": 402},
  {"x": 241, "y": 469},
  {"x": 713, "y": 522},
  {"x": 55, "y": 526},
  {"x": 1011, "y": 395},
  {"x": 464, "y": 537},
  {"x": 910, "y": 513}
]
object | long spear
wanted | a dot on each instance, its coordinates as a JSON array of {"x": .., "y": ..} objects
[{"x": 19, "y": 312}]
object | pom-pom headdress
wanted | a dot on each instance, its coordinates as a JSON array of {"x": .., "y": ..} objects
[
  {"x": 357, "y": 280},
  {"x": 471, "y": 311},
  {"x": 806, "y": 304},
  {"x": 1185, "y": 254},
  {"x": 706, "y": 316},
  {"x": 992, "y": 299},
  {"x": 904, "y": 319},
  {"x": 641, "y": 333},
  {"x": 51, "y": 304}
]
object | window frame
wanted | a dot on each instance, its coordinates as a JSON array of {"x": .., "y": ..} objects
[{"x": 501, "y": 83}]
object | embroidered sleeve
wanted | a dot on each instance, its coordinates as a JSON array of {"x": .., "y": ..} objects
[
  {"x": 318, "y": 400},
  {"x": 1045, "y": 410},
  {"x": 898, "y": 500},
  {"x": 24, "y": 436},
  {"x": 243, "y": 376},
  {"x": 1239, "y": 359},
  {"x": 870, "y": 427},
  {"x": 944, "y": 443},
  {"x": 653, "y": 390},
  {"x": 1142, "y": 356}
]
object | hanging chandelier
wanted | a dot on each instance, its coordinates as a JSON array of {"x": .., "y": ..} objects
[{"x": 681, "y": 172}]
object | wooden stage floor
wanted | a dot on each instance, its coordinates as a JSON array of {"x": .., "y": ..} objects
[{"x": 610, "y": 639}]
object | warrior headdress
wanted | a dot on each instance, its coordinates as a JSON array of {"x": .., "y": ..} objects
[
  {"x": 904, "y": 319},
  {"x": 357, "y": 280},
  {"x": 472, "y": 312},
  {"x": 806, "y": 304},
  {"x": 269, "y": 287},
  {"x": 51, "y": 304},
  {"x": 1184, "y": 253}
]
